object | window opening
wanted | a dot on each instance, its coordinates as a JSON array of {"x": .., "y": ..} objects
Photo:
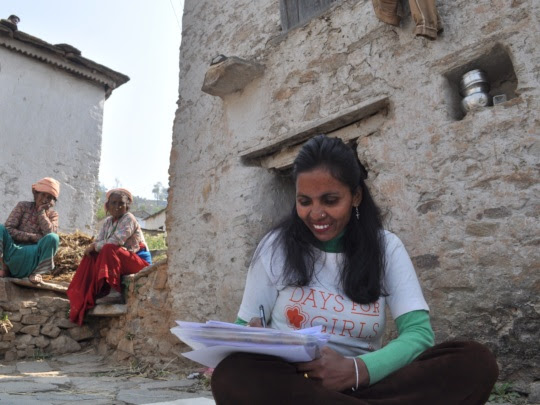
[{"x": 297, "y": 12}]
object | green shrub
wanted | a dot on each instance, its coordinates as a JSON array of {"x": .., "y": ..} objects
[
  {"x": 156, "y": 242},
  {"x": 504, "y": 393}
]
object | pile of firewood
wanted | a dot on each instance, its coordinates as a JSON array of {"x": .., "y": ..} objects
[{"x": 69, "y": 255}]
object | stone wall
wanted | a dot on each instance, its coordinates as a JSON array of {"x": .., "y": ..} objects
[
  {"x": 40, "y": 326},
  {"x": 137, "y": 332},
  {"x": 460, "y": 190},
  {"x": 143, "y": 334}
]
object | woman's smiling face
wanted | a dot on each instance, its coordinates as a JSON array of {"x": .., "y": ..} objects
[{"x": 324, "y": 203}]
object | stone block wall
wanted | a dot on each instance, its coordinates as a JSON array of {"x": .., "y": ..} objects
[
  {"x": 461, "y": 191},
  {"x": 138, "y": 332},
  {"x": 39, "y": 324},
  {"x": 143, "y": 333}
]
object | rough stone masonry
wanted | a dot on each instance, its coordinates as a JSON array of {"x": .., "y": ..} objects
[{"x": 461, "y": 190}]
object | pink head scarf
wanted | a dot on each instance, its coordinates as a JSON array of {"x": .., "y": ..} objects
[
  {"x": 47, "y": 185},
  {"x": 118, "y": 191}
]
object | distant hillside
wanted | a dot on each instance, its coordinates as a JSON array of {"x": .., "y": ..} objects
[{"x": 150, "y": 206}]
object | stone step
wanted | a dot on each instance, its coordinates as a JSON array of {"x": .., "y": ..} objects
[{"x": 108, "y": 310}]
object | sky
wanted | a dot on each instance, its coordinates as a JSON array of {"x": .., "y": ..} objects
[{"x": 139, "y": 38}]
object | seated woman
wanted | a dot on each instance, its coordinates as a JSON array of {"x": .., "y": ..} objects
[
  {"x": 28, "y": 241},
  {"x": 331, "y": 263},
  {"x": 120, "y": 249}
]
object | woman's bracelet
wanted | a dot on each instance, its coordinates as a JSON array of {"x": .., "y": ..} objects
[{"x": 356, "y": 371}]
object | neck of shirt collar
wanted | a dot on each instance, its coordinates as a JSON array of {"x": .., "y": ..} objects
[{"x": 333, "y": 245}]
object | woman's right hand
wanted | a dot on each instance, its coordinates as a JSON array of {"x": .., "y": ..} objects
[
  {"x": 89, "y": 249},
  {"x": 45, "y": 207},
  {"x": 255, "y": 322}
]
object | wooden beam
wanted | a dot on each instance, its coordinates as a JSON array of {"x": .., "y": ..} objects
[
  {"x": 283, "y": 158},
  {"x": 325, "y": 125}
]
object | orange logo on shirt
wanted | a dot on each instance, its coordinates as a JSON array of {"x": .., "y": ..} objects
[{"x": 295, "y": 316}]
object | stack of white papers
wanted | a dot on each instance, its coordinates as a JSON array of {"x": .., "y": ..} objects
[{"x": 213, "y": 341}]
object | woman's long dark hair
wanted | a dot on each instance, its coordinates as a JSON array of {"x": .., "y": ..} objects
[{"x": 363, "y": 244}]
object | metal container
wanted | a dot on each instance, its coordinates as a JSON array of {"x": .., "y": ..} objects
[
  {"x": 472, "y": 78},
  {"x": 476, "y": 88},
  {"x": 476, "y": 101}
]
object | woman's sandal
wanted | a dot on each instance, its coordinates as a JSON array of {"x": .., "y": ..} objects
[{"x": 35, "y": 278}]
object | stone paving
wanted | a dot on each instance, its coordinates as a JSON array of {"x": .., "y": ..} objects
[{"x": 86, "y": 378}]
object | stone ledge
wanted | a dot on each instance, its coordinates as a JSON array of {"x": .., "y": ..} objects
[
  {"x": 108, "y": 310},
  {"x": 230, "y": 76},
  {"x": 146, "y": 271}
]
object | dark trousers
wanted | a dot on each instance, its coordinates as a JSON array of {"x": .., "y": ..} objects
[{"x": 450, "y": 373}]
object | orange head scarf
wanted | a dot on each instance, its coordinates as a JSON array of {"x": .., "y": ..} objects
[{"x": 47, "y": 185}]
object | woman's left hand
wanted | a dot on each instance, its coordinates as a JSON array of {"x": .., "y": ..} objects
[{"x": 334, "y": 371}]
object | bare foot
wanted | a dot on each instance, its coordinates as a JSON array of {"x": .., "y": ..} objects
[
  {"x": 4, "y": 270},
  {"x": 35, "y": 278}
]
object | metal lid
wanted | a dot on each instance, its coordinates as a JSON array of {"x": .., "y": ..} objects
[{"x": 473, "y": 77}]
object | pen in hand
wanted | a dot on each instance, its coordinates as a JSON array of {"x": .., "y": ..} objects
[{"x": 262, "y": 316}]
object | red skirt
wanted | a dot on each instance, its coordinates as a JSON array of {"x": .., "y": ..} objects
[{"x": 97, "y": 274}]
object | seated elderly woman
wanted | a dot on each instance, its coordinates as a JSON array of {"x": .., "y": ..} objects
[
  {"x": 28, "y": 241},
  {"x": 120, "y": 249}
]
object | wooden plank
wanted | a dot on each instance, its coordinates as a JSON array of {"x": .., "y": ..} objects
[
  {"x": 324, "y": 125},
  {"x": 284, "y": 158},
  {"x": 310, "y": 8},
  {"x": 296, "y": 12},
  {"x": 40, "y": 286},
  {"x": 289, "y": 14}
]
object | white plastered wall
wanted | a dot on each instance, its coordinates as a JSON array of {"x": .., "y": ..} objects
[{"x": 50, "y": 126}]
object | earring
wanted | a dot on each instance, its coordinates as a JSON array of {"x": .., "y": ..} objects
[{"x": 357, "y": 213}]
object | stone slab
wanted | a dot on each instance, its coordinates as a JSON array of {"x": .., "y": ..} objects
[
  {"x": 56, "y": 379},
  {"x": 188, "y": 401},
  {"x": 7, "y": 399},
  {"x": 85, "y": 368},
  {"x": 108, "y": 310},
  {"x": 11, "y": 387},
  {"x": 6, "y": 370},
  {"x": 97, "y": 384},
  {"x": 141, "y": 396},
  {"x": 168, "y": 384},
  {"x": 33, "y": 367},
  {"x": 65, "y": 397},
  {"x": 146, "y": 271},
  {"x": 231, "y": 75}
]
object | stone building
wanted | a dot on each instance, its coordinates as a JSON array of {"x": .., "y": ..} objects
[
  {"x": 51, "y": 116},
  {"x": 460, "y": 190}
]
